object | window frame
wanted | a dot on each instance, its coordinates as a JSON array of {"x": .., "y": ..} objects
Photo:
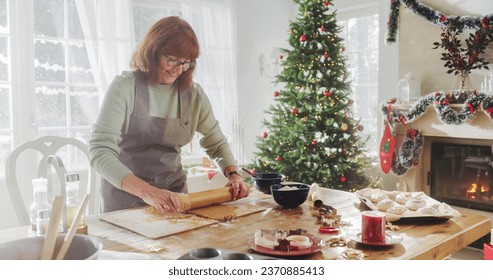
[{"x": 388, "y": 56}]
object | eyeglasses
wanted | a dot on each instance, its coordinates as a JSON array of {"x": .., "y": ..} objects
[{"x": 185, "y": 65}]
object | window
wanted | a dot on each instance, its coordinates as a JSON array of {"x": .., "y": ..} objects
[
  {"x": 146, "y": 13},
  {"x": 361, "y": 35},
  {"x": 64, "y": 88},
  {"x": 46, "y": 82}
]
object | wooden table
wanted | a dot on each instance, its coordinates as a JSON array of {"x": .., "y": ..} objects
[{"x": 421, "y": 239}]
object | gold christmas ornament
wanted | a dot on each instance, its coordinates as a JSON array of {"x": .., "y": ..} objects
[
  {"x": 361, "y": 127},
  {"x": 344, "y": 127}
]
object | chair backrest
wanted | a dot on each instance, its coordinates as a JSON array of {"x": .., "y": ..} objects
[{"x": 48, "y": 146}]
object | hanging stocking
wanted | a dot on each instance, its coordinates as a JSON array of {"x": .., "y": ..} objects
[
  {"x": 387, "y": 146},
  {"x": 409, "y": 152}
]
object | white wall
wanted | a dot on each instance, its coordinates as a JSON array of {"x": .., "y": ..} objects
[
  {"x": 261, "y": 25},
  {"x": 416, "y": 37}
]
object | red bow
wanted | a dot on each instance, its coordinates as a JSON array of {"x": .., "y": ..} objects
[
  {"x": 411, "y": 133},
  {"x": 489, "y": 111}
]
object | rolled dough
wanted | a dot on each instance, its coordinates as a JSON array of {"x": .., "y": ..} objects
[{"x": 218, "y": 212}]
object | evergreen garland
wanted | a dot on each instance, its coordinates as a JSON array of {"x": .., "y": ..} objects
[
  {"x": 393, "y": 22},
  {"x": 441, "y": 101},
  {"x": 435, "y": 17}
]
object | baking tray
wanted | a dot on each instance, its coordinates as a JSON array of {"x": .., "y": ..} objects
[
  {"x": 222, "y": 254},
  {"x": 445, "y": 211}
]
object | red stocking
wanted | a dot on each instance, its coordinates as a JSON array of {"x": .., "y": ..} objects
[{"x": 387, "y": 145}]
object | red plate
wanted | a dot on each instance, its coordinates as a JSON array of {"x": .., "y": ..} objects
[{"x": 317, "y": 245}]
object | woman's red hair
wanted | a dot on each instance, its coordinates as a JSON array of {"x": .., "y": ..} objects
[{"x": 168, "y": 36}]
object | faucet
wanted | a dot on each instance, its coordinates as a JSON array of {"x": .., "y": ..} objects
[{"x": 57, "y": 163}]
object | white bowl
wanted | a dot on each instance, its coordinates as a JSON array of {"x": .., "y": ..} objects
[{"x": 83, "y": 247}]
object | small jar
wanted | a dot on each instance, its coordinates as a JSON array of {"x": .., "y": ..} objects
[
  {"x": 73, "y": 202},
  {"x": 40, "y": 202}
]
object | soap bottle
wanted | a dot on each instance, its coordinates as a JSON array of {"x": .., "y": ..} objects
[
  {"x": 40, "y": 203},
  {"x": 73, "y": 202}
]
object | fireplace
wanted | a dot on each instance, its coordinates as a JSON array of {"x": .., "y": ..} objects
[
  {"x": 462, "y": 175},
  {"x": 450, "y": 152}
]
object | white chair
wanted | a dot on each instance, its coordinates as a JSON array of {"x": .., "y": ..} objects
[{"x": 49, "y": 147}]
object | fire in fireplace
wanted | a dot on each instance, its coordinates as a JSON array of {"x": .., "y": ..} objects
[{"x": 462, "y": 175}]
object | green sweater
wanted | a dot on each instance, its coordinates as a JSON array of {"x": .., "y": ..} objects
[{"x": 117, "y": 109}]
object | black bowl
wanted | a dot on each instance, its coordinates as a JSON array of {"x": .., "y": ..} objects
[
  {"x": 266, "y": 180},
  {"x": 291, "y": 196}
]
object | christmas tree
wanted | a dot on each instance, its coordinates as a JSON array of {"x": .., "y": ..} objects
[{"x": 311, "y": 136}]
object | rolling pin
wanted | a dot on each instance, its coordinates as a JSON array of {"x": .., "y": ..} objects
[{"x": 205, "y": 198}]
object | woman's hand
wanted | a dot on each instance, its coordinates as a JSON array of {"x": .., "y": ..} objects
[
  {"x": 240, "y": 189},
  {"x": 163, "y": 200}
]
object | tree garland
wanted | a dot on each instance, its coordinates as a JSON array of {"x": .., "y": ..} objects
[{"x": 435, "y": 17}]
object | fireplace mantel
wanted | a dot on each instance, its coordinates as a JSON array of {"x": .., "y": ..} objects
[
  {"x": 481, "y": 127},
  {"x": 478, "y": 131}
]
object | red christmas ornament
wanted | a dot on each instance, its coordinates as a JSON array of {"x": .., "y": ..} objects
[
  {"x": 276, "y": 93},
  {"x": 302, "y": 38},
  {"x": 327, "y": 93},
  {"x": 343, "y": 179},
  {"x": 322, "y": 28},
  {"x": 326, "y": 3},
  {"x": 484, "y": 22},
  {"x": 345, "y": 152},
  {"x": 387, "y": 146},
  {"x": 443, "y": 18},
  {"x": 314, "y": 142},
  {"x": 278, "y": 158},
  {"x": 264, "y": 135},
  {"x": 281, "y": 56},
  {"x": 326, "y": 55},
  {"x": 294, "y": 111}
]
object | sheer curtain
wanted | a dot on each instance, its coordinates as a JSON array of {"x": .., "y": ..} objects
[
  {"x": 110, "y": 37},
  {"x": 212, "y": 21}
]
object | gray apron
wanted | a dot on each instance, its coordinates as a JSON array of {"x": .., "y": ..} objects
[{"x": 151, "y": 149}]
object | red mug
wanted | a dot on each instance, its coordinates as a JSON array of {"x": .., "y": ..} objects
[{"x": 372, "y": 227}]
